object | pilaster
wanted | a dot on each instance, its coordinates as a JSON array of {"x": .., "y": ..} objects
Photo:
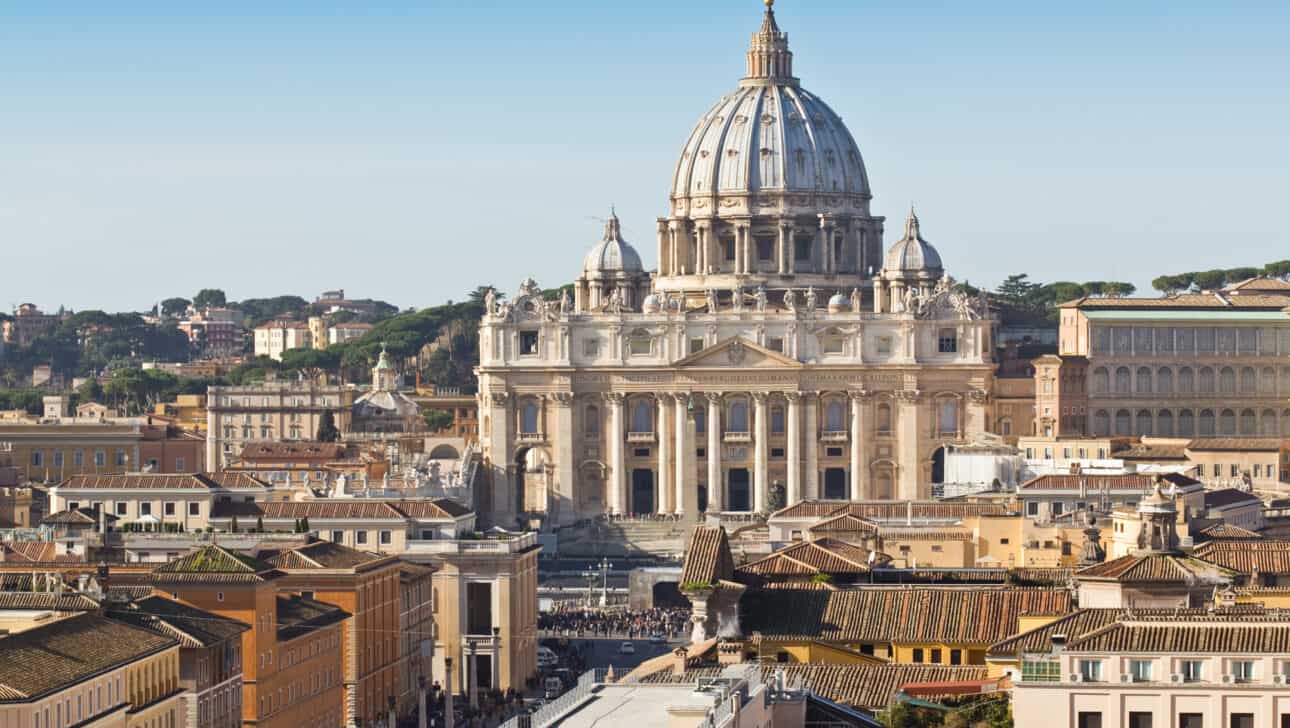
[
  {"x": 909, "y": 425},
  {"x": 565, "y": 501}
]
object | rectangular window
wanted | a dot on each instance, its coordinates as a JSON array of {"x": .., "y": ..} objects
[
  {"x": 528, "y": 343},
  {"x": 956, "y": 657},
  {"x": 180, "y": 465},
  {"x": 78, "y": 458},
  {"x": 775, "y": 343},
  {"x": 100, "y": 458},
  {"x": 168, "y": 508},
  {"x": 918, "y": 655},
  {"x": 936, "y": 656},
  {"x": 1191, "y": 720},
  {"x": 947, "y": 342},
  {"x": 145, "y": 509},
  {"x": 1140, "y": 670},
  {"x": 640, "y": 345},
  {"x": 1089, "y": 719},
  {"x": 37, "y": 458},
  {"x": 1192, "y": 670},
  {"x": 120, "y": 508},
  {"x": 194, "y": 509},
  {"x": 1242, "y": 720},
  {"x": 387, "y": 537},
  {"x": 802, "y": 249},
  {"x": 360, "y": 537},
  {"x": 1139, "y": 720},
  {"x": 120, "y": 458},
  {"x": 884, "y": 344},
  {"x": 338, "y": 537},
  {"x": 591, "y": 347},
  {"x": 1243, "y": 670},
  {"x": 58, "y": 459},
  {"x": 479, "y": 608},
  {"x": 776, "y": 453},
  {"x": 765, "y": 248},
  {"x": 1090, "y": 670}
]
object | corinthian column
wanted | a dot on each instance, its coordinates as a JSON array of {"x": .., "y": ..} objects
[
  {"x": 716, "y": 484},
  {"x": 859, "y": 445},
  {"x": 793, "y": 487},
  {"x": 687, "y": 487},
  {"x": 760, "y": 464},
  {"x": 909, "y": 432},
  {"x": 665, "y": 492},
  {"x": 565, "y": 500},
  {"x": 617, "y": 465},
  {"x": 812, "y": 445}
]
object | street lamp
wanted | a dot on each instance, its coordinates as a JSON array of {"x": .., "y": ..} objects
[
  {"x": 590, "y": 576},
  {"x": 605, "y": 566}
]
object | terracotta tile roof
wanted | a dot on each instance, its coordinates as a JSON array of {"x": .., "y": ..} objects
[
  {"x": 1094, "y": 483},
  {"x": 1235, "y": 444},
  {"x": 822, "y": 556},
  {"x": 78, "y": 517},
  {"x": 707, "y": 558},
  {"x": 57, "y": 655},
  {"x": 1267, "y": 558},
  {"x": 866, "y": 686},
  {"x": 156, "y": 481},
  {"x": 845, "y": 523},
  {"x": 35, "y": 551},
  {"x": 292, "y": 450},
  {"x": 191, "y": 626},
  {"x": 215, "y": 564},
  {"x": 1023, "y": 576},
  {"x": 438, "y": 508},
  {"x": 345, "y": 508},
  {"x": 299, "y": 616},
  {"x": 1228, "y": 532},
  {"x": 1156, "y": 568},
  {"x": 914, "y": 533},
  {"x": 1152, "y": 452},
  {"x": 1259, "y": 283},
  {"x": 52, "y": 601},
  {"x": 1173, "y": 636},
  {"x": 889, "y": 509},
  {"x": 1197, "y": 301},
  {"x": 951, "y": 615},
  {"x": 325, "y": 555}
]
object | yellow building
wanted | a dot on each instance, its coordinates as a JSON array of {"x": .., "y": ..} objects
[
  {"x": 89, "y": 670},
  {"x": 187, "y": 411}
]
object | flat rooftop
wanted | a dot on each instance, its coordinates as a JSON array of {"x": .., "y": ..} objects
[{"x": 640, "y": 706}]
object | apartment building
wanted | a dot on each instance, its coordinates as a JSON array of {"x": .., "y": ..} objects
[
  {"x": 270, "y": 411},
  {"x": 164, "y": 500},
  {"x": 279, "y": 335},
  {"x": 382, "y": 526}
]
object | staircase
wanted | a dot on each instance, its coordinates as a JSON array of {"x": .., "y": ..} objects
[{"x": 665, "y": 539}]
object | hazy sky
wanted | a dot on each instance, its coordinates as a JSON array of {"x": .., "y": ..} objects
[{"x": 411, "y": 150}]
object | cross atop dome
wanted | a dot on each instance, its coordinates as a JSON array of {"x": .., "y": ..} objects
[{"x": 768, "y": 55}]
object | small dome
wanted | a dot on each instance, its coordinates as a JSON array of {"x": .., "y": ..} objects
[
  {"x": 651, "y": 304},
  {"x": 838, "y": 303},
  {"x": 612, "y": 254},
  {"x": 912, "y": 254}
]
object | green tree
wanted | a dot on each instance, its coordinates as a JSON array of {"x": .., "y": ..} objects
[
  {"x": 1279, "y": 269},
  {"x": 437, "y": 419},
  {"x": 1017, "y": 290},
  {"x": 327, "y": 431},
  {"x": 1118, "y": 288},
  {"x": 312, "y": 363},
  {"x": 254, "y": 370},
  {"x": 210, "y": 297},
  {"x": 174, "y": 306},
  {"x": 1210, "y": 280},
  {"x": 1172, "y": 284},
  {"x": 1236, "y": 275}
]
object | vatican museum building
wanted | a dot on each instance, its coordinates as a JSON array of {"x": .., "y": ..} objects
[{"x": 778, "y": 351}]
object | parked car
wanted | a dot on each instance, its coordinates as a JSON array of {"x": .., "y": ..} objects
[{"x": 627, "y": 648}]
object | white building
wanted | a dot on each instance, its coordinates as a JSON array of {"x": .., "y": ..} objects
[
  {"x": 775, "y": 354},
  {"x": 278, "y": 335}
]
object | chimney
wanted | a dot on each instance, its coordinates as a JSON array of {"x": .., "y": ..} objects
[
  {"x": 1059, "y": 642},
  {"x": 104, "y": 577},
  {"x": 678, "y": 661},
  {"x": 729, "y": 653}
]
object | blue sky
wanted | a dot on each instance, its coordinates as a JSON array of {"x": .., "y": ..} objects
[{"x": 411, "y": 150}]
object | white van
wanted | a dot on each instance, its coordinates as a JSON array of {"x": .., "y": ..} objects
[{"x": 547, "y": 659}]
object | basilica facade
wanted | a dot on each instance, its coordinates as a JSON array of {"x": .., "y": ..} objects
[{"x": 776, "y": 352}]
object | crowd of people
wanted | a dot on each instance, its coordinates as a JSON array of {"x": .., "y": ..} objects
[{"x": 624, "y": 623}]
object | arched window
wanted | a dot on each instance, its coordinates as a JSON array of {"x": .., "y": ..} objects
[
  {"x": 1249, "y": 422},
  {"x": 1165, "y": 423},
  {"x": 1101, "y": 423},
  {"x": 1205, "y": 423},
  {"x": 1005, "y": 426},
  {"x": 1144, "y": 380},
  {"x": 1123, "y": 380},
  {"x": 1101, "y": 381},
  {"x": 884, "y": 417},
  {"x": 1268, "y": 423},
  {"x": 1227, "y": 422},
  {"x": 949, "y": 417},
  {"x": 738, "y": 416},
  {"x": 1227, "y": 380},
  {"x": 1144, "y": 423},
  {"x": 1249, "y": 380},
  {"x": 591, "y": 420},
  {"x": 1268, "y": 385},
  {"x": 777, "y": 420},
  {"x": 834, "y": 419},
  {"x": 1123, "y": 423},
  {"x": 1186, "y": 380},
  {"x": 1206, "y": 383},
  {"x": 642, "y": 416},
  {"x": 1165, "y": 380},
  {"x": 1186, "y": 424},
  {"x": 529, "y": 418}
]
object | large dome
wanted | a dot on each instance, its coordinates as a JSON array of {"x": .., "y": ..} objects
[{"x": 768, "y": 138}]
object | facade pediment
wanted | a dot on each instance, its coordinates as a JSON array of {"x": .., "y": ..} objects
[{"x": 737, "y": 353}]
